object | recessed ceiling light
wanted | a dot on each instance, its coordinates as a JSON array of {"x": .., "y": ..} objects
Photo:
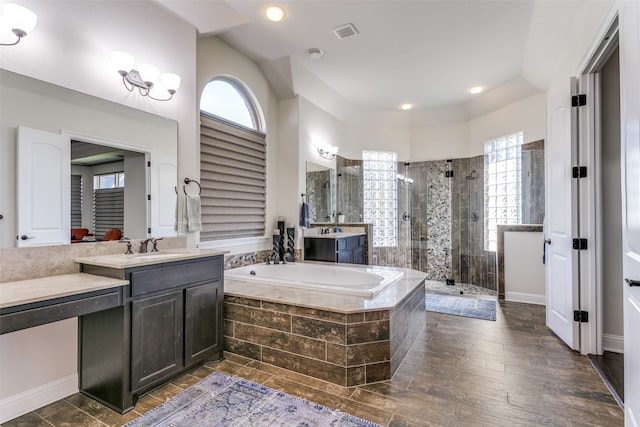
[
  {"x": 406, "y": 106},
  {"x": 274, "y": 13},
  {"x": 476, "y": 89},
  {"x": 315, "y": 53}
]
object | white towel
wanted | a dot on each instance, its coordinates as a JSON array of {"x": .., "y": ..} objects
[{"x": 192, "y": 219}]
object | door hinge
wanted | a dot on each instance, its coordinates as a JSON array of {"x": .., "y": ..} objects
[
  {"x": 448, "y": 174},
  {"x": 149, "y": 230},
  {"x": 579, "y": 171},
  {"x": 578, "y": 100},
  {"x": 149, "y": 164},
  {"x": 580, "y": 244},
  {"x": 580, "y": 316},
  {"x": 148, "y": 196}
]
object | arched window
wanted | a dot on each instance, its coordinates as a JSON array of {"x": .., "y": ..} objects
[
  {"x": 228, "y": 99},
  {"x": 232, "y": 162}
]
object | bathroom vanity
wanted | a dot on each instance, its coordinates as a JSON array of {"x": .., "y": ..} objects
[
  {"x": 170, "y": 320},
  {"x": 346, "y": 248}
]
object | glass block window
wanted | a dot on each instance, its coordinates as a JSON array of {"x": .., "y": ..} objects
[
  {"x": 502, "y": 193},
  {"x": 380, "y": 196}
]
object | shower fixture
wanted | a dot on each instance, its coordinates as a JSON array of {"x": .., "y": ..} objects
[{"x": 472, "y": 176}]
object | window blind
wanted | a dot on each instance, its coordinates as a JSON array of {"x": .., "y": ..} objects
[
  {"x": 232, "y": 175},
  {"x": 108, "y": 210},
  {"x": 76, "y": 201}
]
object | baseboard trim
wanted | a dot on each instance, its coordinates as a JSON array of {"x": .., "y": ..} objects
[
  {"x": 613, "y": 343},
  {"x": 525, "y": 297},
  {"x": 37, "y": 397}
]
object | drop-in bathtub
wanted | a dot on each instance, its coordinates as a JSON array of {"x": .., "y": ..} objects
[
  {"x": 359, "y": 282},
  {"x": 311, "y": 318}
]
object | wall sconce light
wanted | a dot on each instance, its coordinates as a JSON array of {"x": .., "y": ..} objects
[
  {"x": 20, "y": 20},
  {"x": 328, "y": 151},
  {"x": 145, "y": 77}
]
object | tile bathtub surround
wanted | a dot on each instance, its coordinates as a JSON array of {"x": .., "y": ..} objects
[
  {"x": 347, "y": 349},
  {"x": 42, "y": 261},
  {"x": 339, "y": 340}
]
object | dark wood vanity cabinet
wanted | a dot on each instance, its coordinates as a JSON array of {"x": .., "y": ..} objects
[
  {"x": 348, "y": 249},
  {"x": 170, "y": 322}
]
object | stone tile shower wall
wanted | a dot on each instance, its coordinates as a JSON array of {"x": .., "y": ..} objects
[
  {"x": 533, "y": 182},
  {"x": 431, "y": 219},
  {"x": 470, "y": 262}
]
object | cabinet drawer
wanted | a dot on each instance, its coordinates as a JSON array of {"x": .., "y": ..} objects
[{"x": 170, "y": 276}]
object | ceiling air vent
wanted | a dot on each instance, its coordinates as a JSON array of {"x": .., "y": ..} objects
[{"x": 345, "y": 31}]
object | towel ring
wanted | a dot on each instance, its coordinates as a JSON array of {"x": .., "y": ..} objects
[{"x": 189, "y": 181}]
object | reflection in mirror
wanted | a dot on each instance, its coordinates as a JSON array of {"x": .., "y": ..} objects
[
  {"x": 320, "y": 188},
  {"x": 108, "y": 188},
  {"x": 147, "y": 143}
]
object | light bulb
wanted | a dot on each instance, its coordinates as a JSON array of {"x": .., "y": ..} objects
[
  {"x": 274, "y": 13},
  {"x": 148, "y": 73},
  {"x": 21, "y": 20},
  {"x": 122, "y": 61},
  {"x": 170, "y": 81}
]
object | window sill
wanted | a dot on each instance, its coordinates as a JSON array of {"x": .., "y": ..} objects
[{"x": 239, "y": 245}]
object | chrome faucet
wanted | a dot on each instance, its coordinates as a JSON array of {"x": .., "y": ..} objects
[{"x": 143, "y": 246}]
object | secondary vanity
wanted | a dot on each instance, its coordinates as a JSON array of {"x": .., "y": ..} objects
[
  {"x": 343, "y": 247},
  {"x": 170, "y": 320}
]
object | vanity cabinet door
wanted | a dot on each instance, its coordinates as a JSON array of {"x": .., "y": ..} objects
[
  {"x": 156, "y": 338},
  {"x": 358, "y": 255},
  {"x": 345, "y": 257},
  {"x": 203, "y": 315}
]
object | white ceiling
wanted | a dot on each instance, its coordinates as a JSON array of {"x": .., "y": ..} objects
[{"x": 424, "y": 52}]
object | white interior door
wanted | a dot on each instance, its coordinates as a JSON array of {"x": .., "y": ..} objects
[
  {"x": 630, "y": 112},
  {"x": 560, "y": 224},
  {"x": 44, "y": 188}
]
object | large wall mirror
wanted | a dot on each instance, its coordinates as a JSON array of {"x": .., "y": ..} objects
[
  {"x": 321, "y": 192},
  {"x": 104, "y": 139}
]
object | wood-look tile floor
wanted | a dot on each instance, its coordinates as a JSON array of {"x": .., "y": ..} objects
[{"x": 459, "y": 372}]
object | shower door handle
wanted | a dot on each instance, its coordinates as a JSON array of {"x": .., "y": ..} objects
[{"x": 632, "y": 282}]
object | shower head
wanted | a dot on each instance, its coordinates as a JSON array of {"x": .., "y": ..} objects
[{"x": 472, "y": 176}]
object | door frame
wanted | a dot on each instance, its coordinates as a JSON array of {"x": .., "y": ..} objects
[{"x": 589, "y": 190}]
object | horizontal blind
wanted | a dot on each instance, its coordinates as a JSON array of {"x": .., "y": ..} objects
[
  {"x": 108, "y": 210},
  {"x": 76, "y": 201},
  {"x": 232, "y": 175}
]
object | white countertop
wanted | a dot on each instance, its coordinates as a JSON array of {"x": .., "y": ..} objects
[
  {"x": 333, "y": 235},
  {"x": 45, "y": 288},
  {"x": 386, "y": 299},
  {"x": 136, "y": 260}
]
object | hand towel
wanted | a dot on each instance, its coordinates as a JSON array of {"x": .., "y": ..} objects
[
  {"x": 304, "y": 215},
  {"x": 193, "y": 222}
]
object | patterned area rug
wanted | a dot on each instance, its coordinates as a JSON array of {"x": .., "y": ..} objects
[
  {"x": 461, "y": 306},
  {"x": 221, "y": 400}
]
